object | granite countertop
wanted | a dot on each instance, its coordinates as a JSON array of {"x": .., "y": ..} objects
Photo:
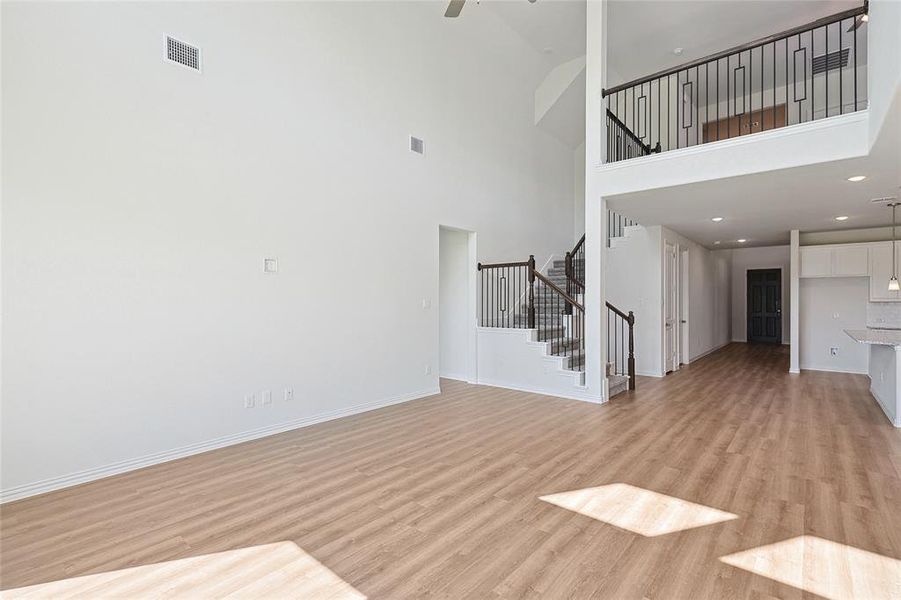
[{"x": 883, "y": 337}]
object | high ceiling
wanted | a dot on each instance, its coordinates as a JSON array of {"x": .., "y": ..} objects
[
  {"x": 643, "y": 34},
  {"x": 554, "y": 28}
]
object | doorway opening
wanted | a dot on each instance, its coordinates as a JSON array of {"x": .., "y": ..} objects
[
  {"x": 457, "y": 304},
  {"x": 765, "y": 306},
  {"x": 684, "y": 345},
  {"x": 670, "y": 308}
]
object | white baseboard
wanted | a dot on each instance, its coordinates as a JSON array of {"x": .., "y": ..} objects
[
  {"x": 455, "y": 377},
  {"x": 832, "y": 370},
  {"x": 896, "y": 420},
  {"x": 556, "y": 394},
  {"x": 649, "y": 374},
  {"x": 56, "y": 483},
  {"x": 711, "y": 351}
]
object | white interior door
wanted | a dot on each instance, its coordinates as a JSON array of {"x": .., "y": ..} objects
[
  {"x": 670, "y": 304},
  {"x": 684, "y": 281}
]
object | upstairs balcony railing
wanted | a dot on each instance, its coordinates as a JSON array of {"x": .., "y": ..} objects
[{"x": 809, "y": 72}]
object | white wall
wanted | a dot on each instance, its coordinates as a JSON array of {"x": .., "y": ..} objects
[
  {"x": 885, "y": 61},
  {"x": 745, "y": 259},
  {"x": 454, "y": 326},
  {"x": 634, "y": 282},
  {"x": 140, "y": 200},
  {"x": 579, "y": 198},
  {"x": 708, "y": 296},
  {"x": 828, "y": 306}
]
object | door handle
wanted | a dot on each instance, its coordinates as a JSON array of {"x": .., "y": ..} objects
[{"x": 684, "y": 321}]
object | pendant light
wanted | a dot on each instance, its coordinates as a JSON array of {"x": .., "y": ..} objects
[{"x": 893, "y": 285}]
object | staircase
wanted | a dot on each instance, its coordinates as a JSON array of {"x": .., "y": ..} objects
[{"x": 548, "y": 308}]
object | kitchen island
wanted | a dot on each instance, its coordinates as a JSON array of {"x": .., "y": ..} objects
[{"x": 884, "y": 368}]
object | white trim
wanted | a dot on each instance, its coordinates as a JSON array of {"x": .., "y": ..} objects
[
  {"x": 832, "y": 370},
  {"x": 897, "y": 419},
  {"x": 566, "y": 396},
  {"x": 79, "y": 477},
  {"x": 788, "y": 131},
  {"x": 708, "y": 352},
  {"x": 455, "y": 377},
  {"x": 650, "y": 374}
]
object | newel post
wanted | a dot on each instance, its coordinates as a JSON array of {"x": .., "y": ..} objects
[
  {"x": 631, "y": 351},
  {"x": 531, "y": 291}
]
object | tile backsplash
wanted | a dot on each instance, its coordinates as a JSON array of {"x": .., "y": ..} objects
[{"x": 884, "y": 314}]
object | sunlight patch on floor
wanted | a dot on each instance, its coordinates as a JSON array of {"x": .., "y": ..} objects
[
  {"x": 280, "y": 570},
  {"x": 638, "y": 510},
  {"x": 823, "y": 567}
]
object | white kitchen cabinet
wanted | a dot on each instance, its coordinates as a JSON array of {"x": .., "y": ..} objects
[
  {"x": 838, "y": 260},
  {"x": 850, "y": 260},
  {"x": 881, "y": 271},
  {"x": 816, "y": 261}
]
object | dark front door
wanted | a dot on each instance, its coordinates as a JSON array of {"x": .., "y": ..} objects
[{"x": 765, "y": 305}]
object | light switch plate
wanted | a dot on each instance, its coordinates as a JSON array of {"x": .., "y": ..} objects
[
  {"x": 267, "y": 397},
  {"x": 270, "y": 265}
]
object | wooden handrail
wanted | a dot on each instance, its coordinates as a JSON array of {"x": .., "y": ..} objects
[
  {"x": 619, "y": 312},
  {"x": 846, "y": 14},
  {"x": 502, "y": 265},
  {"x": 554, "y": 287},
  {"x": 646, "y": 147},
  {"x": 578, "y": 245}
]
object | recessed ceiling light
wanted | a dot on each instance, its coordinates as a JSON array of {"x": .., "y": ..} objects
[
  {"x": 716, "y": 243},
  {"x": 716, "y": 219},
  {"x": 857, "y": 178},
  {"x": 841, "y": 218},
  {"x": 677, "y": 51},
  {"x": 741, "y": 241}
]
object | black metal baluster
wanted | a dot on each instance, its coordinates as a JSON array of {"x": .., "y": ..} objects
[
  {"x": 728, "y": 97},
  {"x": 855, "y": 67},
  {"x": 841, "y": 86}
]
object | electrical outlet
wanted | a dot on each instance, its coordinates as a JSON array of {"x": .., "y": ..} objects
[
  {"x": 267, "y": 397},
  {"x": 833, "y": 351},
  {"x": 250, "y": 400},
  {"x": 428, "y": 369},
  {"x": 289, "y": 394}
]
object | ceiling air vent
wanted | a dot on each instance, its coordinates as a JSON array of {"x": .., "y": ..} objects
[
  {"x": 183, "y": 54},
  {"x": 831, "y": 61}
]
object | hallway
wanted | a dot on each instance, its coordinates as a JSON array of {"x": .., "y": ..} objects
[{"x": 493, "y": 493}]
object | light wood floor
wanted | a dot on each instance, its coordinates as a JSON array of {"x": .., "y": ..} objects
[{"x": 440, "y": 497}]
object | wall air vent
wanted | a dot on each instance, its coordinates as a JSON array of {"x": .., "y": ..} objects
[
  {"x": 183, "y": 54},
  {"x": 417, "y": 145},
  {"x": 832, "y": 61}
]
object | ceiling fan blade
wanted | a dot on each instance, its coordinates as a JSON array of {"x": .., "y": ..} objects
[{"x": 454, "y": 8}]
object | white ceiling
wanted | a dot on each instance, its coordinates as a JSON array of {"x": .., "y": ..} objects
[
  {"x": 644, "y": 33},
  {"x": 764, "y": 207},
  {"x": 554, "y": 28}
]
